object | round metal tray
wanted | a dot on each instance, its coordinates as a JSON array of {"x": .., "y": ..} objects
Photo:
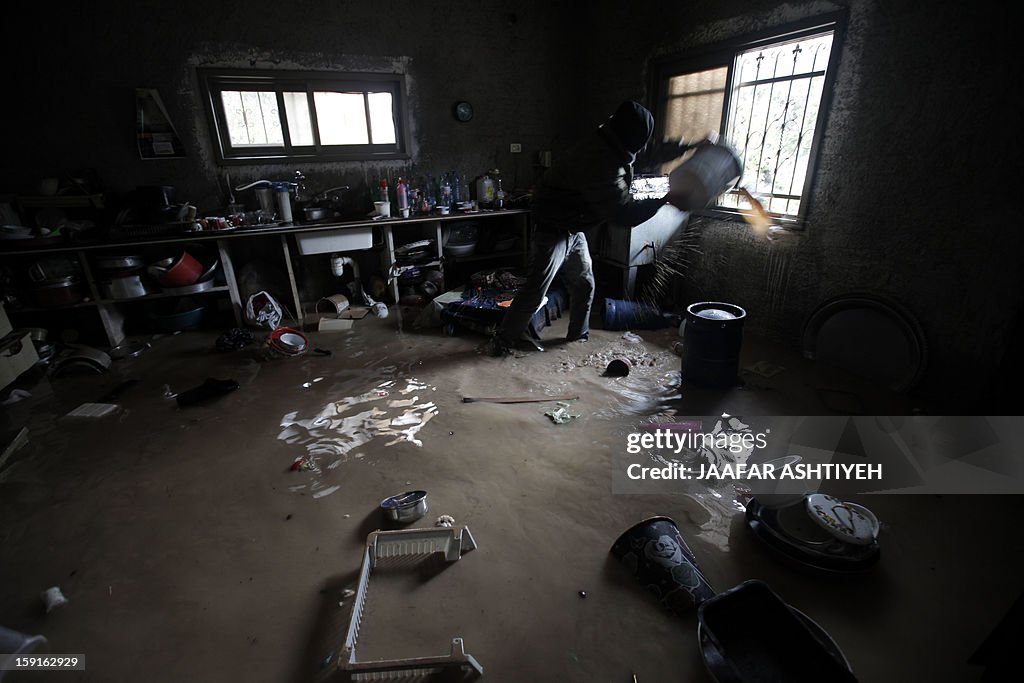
[{"x": 203, "y": 286}]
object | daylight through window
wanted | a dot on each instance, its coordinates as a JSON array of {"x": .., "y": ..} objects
[
  {"x": 765, "y": 100},
  {"x": 284, "y": 116}
]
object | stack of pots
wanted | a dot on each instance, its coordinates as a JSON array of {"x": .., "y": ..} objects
[
  {"x": 183, "y": 274},
  {"x": 122, "y": 277},
  {"x": 54, "y": 282}
]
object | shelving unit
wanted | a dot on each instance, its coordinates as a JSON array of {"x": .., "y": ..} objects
[
  {"x": 110, "y": 310},
  {"x": 518, "y": 219}
]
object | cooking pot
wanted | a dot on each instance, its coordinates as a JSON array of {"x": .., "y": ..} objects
[
  {"x": 316, "y": 213},
  {"x": 185, "y": 270},
  {"x": 126, "y": 287},
  {"x": 207, "y": 274},
  {"x": 64, "y": 291}
]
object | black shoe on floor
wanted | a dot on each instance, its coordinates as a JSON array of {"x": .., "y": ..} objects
[{"x": 582, "y": 338}]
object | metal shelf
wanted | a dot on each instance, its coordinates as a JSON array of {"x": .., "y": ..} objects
[
  {"x": 484, "y": 257},
  {"x": 165, "y": 295}
]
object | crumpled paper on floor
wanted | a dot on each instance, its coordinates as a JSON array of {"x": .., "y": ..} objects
[{"x": 560, "y": 413}]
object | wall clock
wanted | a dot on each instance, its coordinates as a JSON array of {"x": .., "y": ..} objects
[{"x": 463, "y": 111}]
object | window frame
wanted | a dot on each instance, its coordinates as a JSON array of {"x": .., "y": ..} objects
[
  {"x": 214, "y": 81},
  {"x": 725, "y": 53}
]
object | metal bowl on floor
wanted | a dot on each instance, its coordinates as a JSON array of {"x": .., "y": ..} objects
[{"x": 405, "y": 507}]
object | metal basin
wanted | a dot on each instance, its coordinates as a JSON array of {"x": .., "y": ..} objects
[{"x": 405, "y": 507}]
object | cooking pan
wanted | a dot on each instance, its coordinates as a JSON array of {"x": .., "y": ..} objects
[{"x": 316, "y": 213}]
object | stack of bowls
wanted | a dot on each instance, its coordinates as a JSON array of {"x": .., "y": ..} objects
[{"x": 286, "y": 341}]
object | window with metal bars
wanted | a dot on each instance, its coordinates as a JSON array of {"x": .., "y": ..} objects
[
  {"x": 267, "y": 116},
  {"x": 767, "y": 97}
]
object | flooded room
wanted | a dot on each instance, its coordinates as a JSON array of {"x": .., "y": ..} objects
[{"x": 510, "y": 341}]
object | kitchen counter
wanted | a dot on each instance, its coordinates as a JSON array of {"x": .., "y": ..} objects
[{"x": 9, "y": 247}]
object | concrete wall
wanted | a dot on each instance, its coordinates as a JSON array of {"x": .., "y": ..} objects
[
  {"x": 904, "y": 203},
  {"x": 84, "y": 61}
]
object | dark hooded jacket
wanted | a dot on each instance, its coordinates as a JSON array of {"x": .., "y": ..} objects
[{"x": 590, "y": 184}]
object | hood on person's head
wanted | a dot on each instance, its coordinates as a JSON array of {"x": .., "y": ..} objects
[{"x": 632, "y": 124}]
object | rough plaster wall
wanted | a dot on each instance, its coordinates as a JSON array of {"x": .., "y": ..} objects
[
  {"x": 501, "y": 56},
  {"x": 902, "y": 203}
]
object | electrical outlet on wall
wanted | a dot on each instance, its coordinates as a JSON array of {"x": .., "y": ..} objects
[{"x": 515, "y": 148}]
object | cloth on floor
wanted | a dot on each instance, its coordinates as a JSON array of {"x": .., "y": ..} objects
[{"x": 486, "y": 298}]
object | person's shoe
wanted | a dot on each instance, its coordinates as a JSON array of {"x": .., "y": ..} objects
[{"x": 582, "y": 338}]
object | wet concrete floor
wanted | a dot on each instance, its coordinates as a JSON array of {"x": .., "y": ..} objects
[{"x": 189, "y": 550}]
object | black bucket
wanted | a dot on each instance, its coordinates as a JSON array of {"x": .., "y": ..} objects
[
  {"x": 712, "y": 337},
  {"x": 656, "y": 554}
]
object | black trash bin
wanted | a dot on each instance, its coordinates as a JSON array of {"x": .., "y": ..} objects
[{"x": 712, "y": 338}]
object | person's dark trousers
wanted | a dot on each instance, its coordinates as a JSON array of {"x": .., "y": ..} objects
[{"x": 551, "y": 253}]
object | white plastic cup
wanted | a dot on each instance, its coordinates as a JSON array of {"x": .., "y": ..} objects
[
  {"x": 383, "y": 209},
  {"x": 53, "y": 598}
]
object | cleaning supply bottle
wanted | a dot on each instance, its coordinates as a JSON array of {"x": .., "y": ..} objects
[
  {"x": 383, "y": 190},
  {"x": 402, "y": 195}
]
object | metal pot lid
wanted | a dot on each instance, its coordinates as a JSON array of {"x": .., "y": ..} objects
[
  {"x": 128, "y": 350},
  {"x": 114, "y": 262},
  {"x": 57, "y": 282}
]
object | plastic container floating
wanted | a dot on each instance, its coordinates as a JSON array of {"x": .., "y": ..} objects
[{"x": 405, "y": 507}]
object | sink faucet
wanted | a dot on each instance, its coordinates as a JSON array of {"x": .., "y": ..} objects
[
  {"x": 332, "y": 194},
  {"x": 301, "y": 193}
]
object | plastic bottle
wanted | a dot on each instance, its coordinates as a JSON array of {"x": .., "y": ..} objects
[
  {"x": 402, "y": 195},
  {"x": 383, "y": 191},
  {"x": 456, "y": 189},
  {"x": 446, "y": 192},
  {"x": 499, "y": 193}
]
